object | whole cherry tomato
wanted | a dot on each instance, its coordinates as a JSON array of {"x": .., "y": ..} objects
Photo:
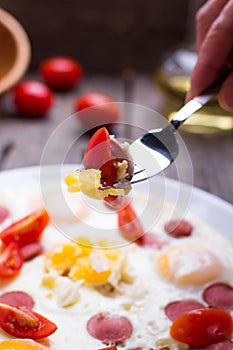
[
  {"x": 32, "y": 98},
  {"x": 11, "y": 261},
  {"x": 104, "y": 109},
  {"x": 61, "y": 73},
  {"x": 202, "y": 327},
  {"x": 26, "y": 230}
]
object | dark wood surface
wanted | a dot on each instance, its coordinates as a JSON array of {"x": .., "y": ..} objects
[
  {"x": 103, "y": 35},
  {"x": 211, "y": 157}
]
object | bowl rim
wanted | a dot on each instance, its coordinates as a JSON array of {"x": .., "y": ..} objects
[{"x": 23, "y": 51}]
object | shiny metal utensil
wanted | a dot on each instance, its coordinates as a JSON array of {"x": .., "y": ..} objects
[
  {"x": 154, "y": 151},
  {"x": 5, "y": 152}
]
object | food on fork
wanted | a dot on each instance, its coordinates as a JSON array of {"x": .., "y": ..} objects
[{"x": 106, "y": 162}]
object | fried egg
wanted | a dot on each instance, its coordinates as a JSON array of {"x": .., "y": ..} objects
[
  {"x": 72, "y": 283},
  {"x": 19, "y": 345},
  {"x": 189, "y": 264},
  {"x": 84, "y": 263}
]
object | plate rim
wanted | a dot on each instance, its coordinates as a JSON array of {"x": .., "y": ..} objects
[{"x": 224, "y": 208}]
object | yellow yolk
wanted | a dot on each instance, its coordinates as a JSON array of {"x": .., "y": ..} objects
[
  {"x": 85, "y": 263},
  {"x": 15, "y": 344},
  {"x": 63, "y": 256},
  {"x": 88, "y": 182},
  {"x": 189, "y": 265}
]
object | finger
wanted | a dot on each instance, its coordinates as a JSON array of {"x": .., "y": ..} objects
[
  {"x": 214, "y": 53},
  {"x": 205, "y": 16},
  {"x": 225, "y": 96}
]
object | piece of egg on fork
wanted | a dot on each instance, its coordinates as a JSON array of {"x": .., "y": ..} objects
[
  {"x": 15, "y": 344},
  {"x": 189, "y": 264}
]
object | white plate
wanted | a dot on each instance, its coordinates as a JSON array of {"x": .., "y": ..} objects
[{"x": 207, "y": 207}]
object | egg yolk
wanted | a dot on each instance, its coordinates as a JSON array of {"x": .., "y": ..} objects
[
  {"x": 63, "y": 256},
  {"x": 88, "y": 182},
  {"x": 189, "y": 265},
  {"x": 85, "y": 263},
  {"x": 19, "y": 345}
]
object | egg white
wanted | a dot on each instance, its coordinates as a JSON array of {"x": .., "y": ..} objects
[{"x": 142, "y": 299}]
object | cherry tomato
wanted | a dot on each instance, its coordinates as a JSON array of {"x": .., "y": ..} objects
[
  {"x": 202, "y": 327},
  {"x": 61, "y": 73},
  {"x": 24, "y": 323},
  {"x": 114, "y": 202},
  {"x": 11, "y": 261},
  {"x": 98, "y": 156},
  {"x": 109, "y": 348},
  {"x": 32, "y": 98},
  {"x": 129, "y": 224},
  {"x": 46, "y": 328},
  {"x": 104, "y": 109},
  {"x": 26, "y": 230}
]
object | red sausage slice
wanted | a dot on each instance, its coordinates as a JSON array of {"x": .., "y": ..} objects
[
  {"x": 150, "y": 240},
  {"x": 109, "y": 328},
  {"x": 177, "y": 308},
  {"x": 31, "y": 250},
  {"x": 219, "y": 295},
  {"x": 178, "y": 228},
  {"x": 4, "y": 213},
  {"x": 17, "y": 298},
  {"x": 223, "y": 345}
]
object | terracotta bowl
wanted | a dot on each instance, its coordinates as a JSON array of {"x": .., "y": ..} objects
[{"x": 15, "y": 51}]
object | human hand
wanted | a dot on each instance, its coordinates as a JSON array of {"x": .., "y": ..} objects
[{"x": 214, "y": 43}]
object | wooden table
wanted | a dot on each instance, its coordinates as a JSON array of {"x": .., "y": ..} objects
[{"x": 211, "y": 157}]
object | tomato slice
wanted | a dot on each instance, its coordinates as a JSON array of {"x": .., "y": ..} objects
[
  {"x": 12, "y": 319},
  {"x": 11, "y": 260},
  {"x": 98, "y": 155},
  {"x": 26, "y": 230},
  {"x": 24, "y": 323},
  {"x": 202, "y": 327},
  {"x": 46, "y": 328},
  {"x": 129, "y": 224},
  {"x": 98, "y": 149}
]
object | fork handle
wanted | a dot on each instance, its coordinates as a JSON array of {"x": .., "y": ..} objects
[{"x": 198, "y": 102}]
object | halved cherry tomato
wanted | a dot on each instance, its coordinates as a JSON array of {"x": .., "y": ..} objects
[
  {"x": 61, "y": 73},
  {"x": 11, "y": 260},
  {"x": 26, "y": 230},
  {"x": 98, "y": 156},
  {"x": 104, "y": 109},
  {"x": 46, "y": 328},
  {"x": 202, "y": 327},
  {"x": 129, "y": 224},
  {"x": 24, "y": 323},
  {"x": 114, "y": 202},
  {"x": 32, "y": 98}
]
